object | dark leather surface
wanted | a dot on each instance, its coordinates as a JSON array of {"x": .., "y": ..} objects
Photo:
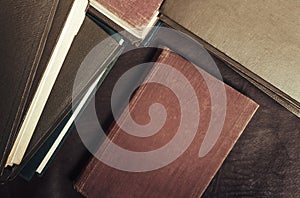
[
  {"x": 73, "y": 156},
  {"x": 60, "y": 99},
  {"x": 59, "y": 18},
  {"x": 265, "y": 162},
  {"x": 24, "y": 28}
]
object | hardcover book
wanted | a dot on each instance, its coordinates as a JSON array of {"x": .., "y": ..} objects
[
  {"x": 190, "y": 173},
  {"x": 258, "y": 39},
  {"x": 135, "y": 16},
  {"x": 59, "y": 104},
  {"x": 22, "y": 43},
  {"x": 49, "y": 96},
  {"x": 74, "y": 20}
]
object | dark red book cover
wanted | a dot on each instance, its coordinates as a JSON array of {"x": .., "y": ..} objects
[
  {"x": 194, "y": 133},
  {"x": 136, "y": 13}
]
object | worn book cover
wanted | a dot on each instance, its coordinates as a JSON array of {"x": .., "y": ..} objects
[
  {"x": 22, "y": 43},
  {"x": 190, "y": 173},
  {"x": 258, "y": 39},
  {"x": 75, "y": 18},
  {"x": 59, "y": 103},
  {"x": 134, "y": 16}
]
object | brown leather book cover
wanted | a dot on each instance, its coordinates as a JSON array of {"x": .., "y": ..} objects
[{"x": 190, "y": 173}]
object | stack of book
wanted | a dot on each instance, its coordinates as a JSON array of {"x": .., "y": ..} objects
[
  {"x": 40, "y": 67},
  {"x": 56, "y": 54}
]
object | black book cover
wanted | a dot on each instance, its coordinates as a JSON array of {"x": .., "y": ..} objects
[
  {"x": 25, "y": 26},
  {"x": 59, "y": 103}
]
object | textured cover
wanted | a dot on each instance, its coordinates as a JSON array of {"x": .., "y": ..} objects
[
  {"x": 132, "y": 15},
  {"x": 59, "y": 20},
  {"x": 60, "y": 16},
  {"x": 24, "y": 28},
  {"x": 264, "y": 162},
  {"x": 260, "y": 39},
  {"x": 32, "y": 165},
  {"x": 100, "y": 17},
  {"x": 137, "y": 13},
  {"x": 29, "y": 169},
  {"x": 188, "y": 175},
  {"x": 59, "y": 103}
]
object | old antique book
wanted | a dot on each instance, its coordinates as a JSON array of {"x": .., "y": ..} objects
[
  {"x": 70, "y": 28},
  {"x": 22, "y": 43},
  {"x": 258, "y": 39},
  {"x": 135, "y": 16},
  {"x": 190, "y": 173},
  {"x": 58, "y": 114},
  {"x": 46, "y": 153}
]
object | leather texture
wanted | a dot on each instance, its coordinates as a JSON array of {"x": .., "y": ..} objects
[
  {"x": 253, "y": 37},
  {"x": 59, "y": 103},
  {"x": 59, "y": 18},
  {"x": 270, "y": 134},
  {"x": 24, "y": 29},
  {"x": 68, "y": 166},
  {"x": 265, "y": 162}
]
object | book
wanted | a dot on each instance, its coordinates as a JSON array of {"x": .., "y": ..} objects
[
  {"x": 66, "y": 92},
  {"x": 21, "y": 46},
  {"x": 257, "y": 39},
  {"x": 123, "y": 63},
  {"x": 71, "y": 27},
  {"x": 190, "y": 173},
  {"x": 46, "y": 153},
  {"x": 136, "y": 17},
  {"x": 42, "y": 158},
  {"x": 266, "y": 151},
  {"x": 50, "y": 99}
]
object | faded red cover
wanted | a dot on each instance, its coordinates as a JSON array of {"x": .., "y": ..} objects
[
  {"x": 136, "y": 13},
  {"x": 192, "y": 171}
]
